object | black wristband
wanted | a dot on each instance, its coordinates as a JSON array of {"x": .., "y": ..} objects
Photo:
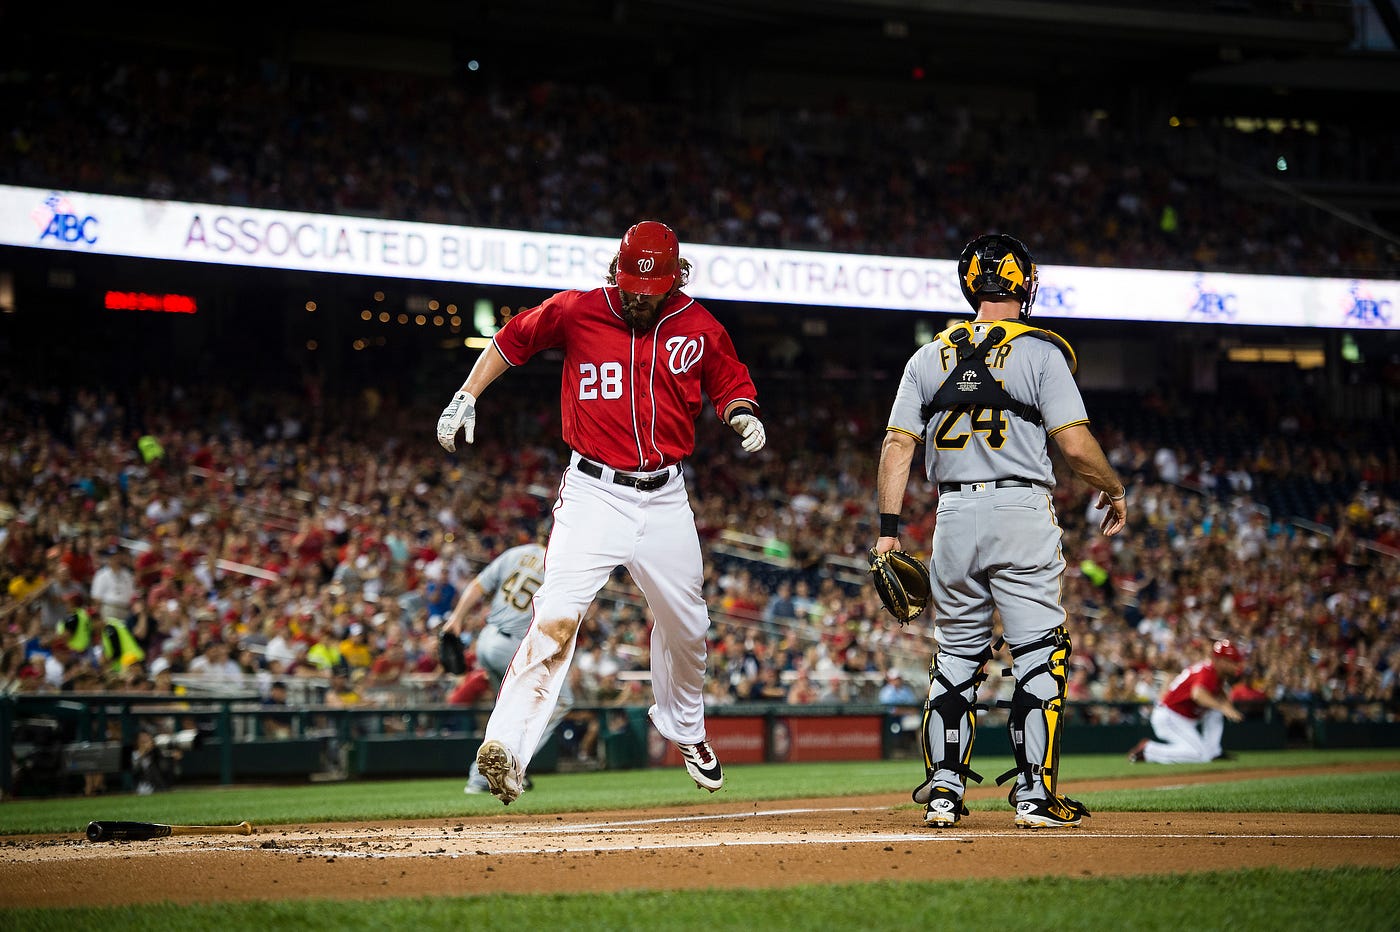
[
  {"x": 889, "y": 525},
  {"x": 741, "y": 409}
]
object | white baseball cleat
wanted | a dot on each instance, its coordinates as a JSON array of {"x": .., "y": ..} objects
[
  {"x": 502, "y": 771},
  {"x": 700, "y": 760},
  {"x": 702, "y": 765}
]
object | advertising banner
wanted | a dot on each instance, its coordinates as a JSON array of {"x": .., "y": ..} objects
[
  {"x": 736, "y": 740},
  {"x": 240, "y": 236},
  {"x": 827, "y": 737}
]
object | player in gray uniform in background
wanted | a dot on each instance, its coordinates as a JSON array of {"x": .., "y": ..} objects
[
  {"x": 983, "y": 397},
  {"x": 511, "y": 580}
]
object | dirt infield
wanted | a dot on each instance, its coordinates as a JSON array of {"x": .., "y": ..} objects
[{"x": 711, "y": 844}]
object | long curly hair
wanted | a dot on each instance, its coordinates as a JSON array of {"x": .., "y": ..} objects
[{"x": 682, "y": 273}]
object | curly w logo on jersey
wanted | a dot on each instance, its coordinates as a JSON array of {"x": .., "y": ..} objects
[{"x": 685, "y": 353}]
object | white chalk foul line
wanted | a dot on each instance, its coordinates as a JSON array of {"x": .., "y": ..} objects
[
  {"x": 749, "y": 841},
  {"x": 476, "y": 843},
  {"x": 578, "y": 828},
  {"x": 620, "y": 825},
  {"x": 632, "y": 845},
  {"x": 676, "y": 820}
]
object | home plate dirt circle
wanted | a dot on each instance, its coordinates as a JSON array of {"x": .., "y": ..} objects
[{"x": 716, "y": 844}]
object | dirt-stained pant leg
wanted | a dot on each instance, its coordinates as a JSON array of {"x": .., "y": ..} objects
[
  {"x": 669, "y": 569},
  {"x": 594, "y": 532},
  {"x": 494, "y": 652}
]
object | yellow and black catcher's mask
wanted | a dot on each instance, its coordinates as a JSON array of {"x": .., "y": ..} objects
[{"x": 995, "y": 265}]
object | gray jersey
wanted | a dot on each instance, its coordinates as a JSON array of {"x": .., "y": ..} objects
[
  {"x": 996, "y": 549},
  {"x": 511, "y": 580},
  {"x": 978, "y": 444}
]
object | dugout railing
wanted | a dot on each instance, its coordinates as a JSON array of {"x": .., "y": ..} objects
[{"x": 51, "y": 740}]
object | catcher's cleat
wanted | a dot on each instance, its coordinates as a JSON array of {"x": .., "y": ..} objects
[
  {"x": 702, "y": 765},
  {"x": 1139, "y": 752},
  {"x": 1048, "y": 813},
  {"x": 944, "y": 808},
  {"x": 502, "y": 771}
]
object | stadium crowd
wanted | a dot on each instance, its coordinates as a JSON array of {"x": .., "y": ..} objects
[
  {"x": 157, "y": 537},
  {"x": 856, "y": 176},
  {"x": 259, "y": 552}
]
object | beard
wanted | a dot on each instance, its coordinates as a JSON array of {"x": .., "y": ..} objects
[{"x": 639, "y": 315}]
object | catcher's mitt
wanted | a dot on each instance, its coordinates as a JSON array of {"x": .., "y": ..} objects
[
  {"x": 902, "y": 583},
  {"x": 451, "y": 653}
]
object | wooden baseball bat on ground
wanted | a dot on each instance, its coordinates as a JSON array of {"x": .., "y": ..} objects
[{"x": 141, "y": 831}]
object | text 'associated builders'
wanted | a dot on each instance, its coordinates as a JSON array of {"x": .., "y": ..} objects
[{"x": 100, "y": 224}]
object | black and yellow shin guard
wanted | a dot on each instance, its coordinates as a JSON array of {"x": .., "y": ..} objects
[
  {"x": 950, "y": 721},
  {"x": 1036, "y": 717}
]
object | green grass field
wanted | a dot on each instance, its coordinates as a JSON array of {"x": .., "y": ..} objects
[
  {"x": 1256, "y": 899},
  {"x": 1241, "y": 901},
  {"x": 642, "y": 789}
]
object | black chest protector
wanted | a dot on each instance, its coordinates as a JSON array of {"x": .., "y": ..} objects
[{"x": 971, "y": 383}]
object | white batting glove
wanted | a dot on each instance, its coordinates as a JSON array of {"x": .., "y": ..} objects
[
  {"x": 460, "y": 414},
  {"x": 751, "y": 430}
]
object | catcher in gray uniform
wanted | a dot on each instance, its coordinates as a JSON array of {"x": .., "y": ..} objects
[
  {"x": 983, "y": 397},
  {"x": 511, "y": 580}
]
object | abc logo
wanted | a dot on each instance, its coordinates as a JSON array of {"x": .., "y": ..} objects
[{"x": 70, "y": 228}]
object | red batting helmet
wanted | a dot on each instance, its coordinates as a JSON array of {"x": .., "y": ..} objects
[
  {"x": 1223, "y": 648},
  {"x": 648, "y": 260}
]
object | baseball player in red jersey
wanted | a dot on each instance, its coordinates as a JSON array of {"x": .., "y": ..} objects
[
  {"x": 639, "y": 355},
  {"x": 1190, "y": 717}
]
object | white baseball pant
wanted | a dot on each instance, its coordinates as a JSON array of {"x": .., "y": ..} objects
[
  {"x": 494, "y": 652},
  {"x": 1182, "y": 740},
  {"x": 599, "y": 526}
]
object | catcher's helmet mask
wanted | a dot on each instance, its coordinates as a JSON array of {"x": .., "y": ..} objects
[{"x": 995, "y": 265}]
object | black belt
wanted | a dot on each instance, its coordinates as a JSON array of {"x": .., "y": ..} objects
[
  {"x": 640, "y": 483},
  {"x": 944, "y": 487}
]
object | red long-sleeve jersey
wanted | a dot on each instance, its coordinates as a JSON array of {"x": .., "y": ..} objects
[
  {"x": 630, "y": 400},
  {"x": 1178, "y": 694}
]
